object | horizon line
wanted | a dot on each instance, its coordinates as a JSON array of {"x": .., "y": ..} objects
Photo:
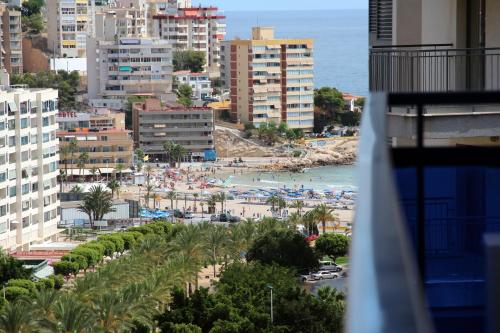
[{"x": 290, "y": 10}]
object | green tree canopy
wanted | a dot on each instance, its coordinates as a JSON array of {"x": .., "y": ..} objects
[
  {"x": 285, "y": 248},
  {"x": 333, "y": 245},
  {"x": 193, "y": 61}
]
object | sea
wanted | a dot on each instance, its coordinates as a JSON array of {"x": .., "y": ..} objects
[
  {"x": 340, "y": 41},
  {"x": 335, "y": 178}
]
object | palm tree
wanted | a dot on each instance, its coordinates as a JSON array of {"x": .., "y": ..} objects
[
  {"x": 119, "y": 168},
  {"x": 324, "y": 214},
  {"x": 273, "y": 201},
  {"x": 222, "y": 198},
  {"x": 114, "y": 186},
  {"x": 168, "y": 147},
  {"x": 299, "y": 204},
  {"x": 72, "y": 149},
  {"x": 93, "y": 172},
  {"x": 310, "y": 221},
  {"x": 43, "y": 302},
  {"x": 195, "y": 196},
  {"x": 281, "y": 204},
  {"x": 70, "y": 315},
  {"x": 188, "y": 242},
  {"x": 294, "y": 219},
  {"x": 96, "y": 204},
  {"x": 64, "y": 154},
  {"x": 178, "y": 153},
  {"x": 148, "y": 169},
  {"x": 82, "y": 160},
  {"x": 149, "y": 189},
  {"x": 76, "y": 189},
  {"x": 215, "y": 243},
  {"x": 17, "y": 318},
  {"x": 171, "y": 196}
]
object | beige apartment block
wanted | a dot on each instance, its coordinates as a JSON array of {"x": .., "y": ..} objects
[
  {"x": 29, "y": 166},
  {"x": 11, "y": 39},
  {"x": 271, "y": 80},
  {"x": 68, "y": 23}
]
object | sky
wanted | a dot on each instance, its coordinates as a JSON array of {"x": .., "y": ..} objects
[{"x": 266, "y": 5}]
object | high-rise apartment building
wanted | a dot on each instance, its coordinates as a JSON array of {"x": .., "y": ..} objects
[
  {"x": 28, "y": 166},
  {"x": 11, "y": 39},
  {"x": 190, "y": 28},
  {"x": 192, "y": 128},
  {"x": 272, "y": 80},
  {"x": 122, "y": 60},
  {"x": 68, "y": 23}
]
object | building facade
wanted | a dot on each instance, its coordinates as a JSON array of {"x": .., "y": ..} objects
[
  {"x": 199, "y": 82},
  {"x": 68, "y": 23},
  {"x": 11, "y": 40},
  {"x": 192, "y": 128},
  {"x": 28, "y": 167},
  {"x": 272, "y": 80},
  {"x": 100, "y": 133},
  {"x": 122, "y": 60},
  {"x": 190, "y": 28}
]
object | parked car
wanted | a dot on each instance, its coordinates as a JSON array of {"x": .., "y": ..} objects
[
  {"x": 332, "y": 267},
  {"x": 308, "y": 278},
  {"x": 325, "y": 275},
  {"x": 178, "y": 214},
  {"x": 189, "y": 215},
  {"x": 214, "y": 218},
  {"x": 234, "y": 219}
]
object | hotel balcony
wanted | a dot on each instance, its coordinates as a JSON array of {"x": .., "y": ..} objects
[
  {"x": 426, "y": 252},
  {"x": 433, "y": 68}
]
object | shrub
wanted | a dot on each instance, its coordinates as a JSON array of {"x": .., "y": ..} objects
[
  {"x": 65, "y": 268},
  {"x": 22, "y": 283},
  {"x": 58, "y": 281},
  {"x": 13, "y": 293},
  {"x": 44, "y": 284},
  {"x": 137, "y": 235},
  {"x": 91, "y": 256},
  {"x": 128, "y": 238},
  {"x": 109, "y": 247},
  {"x": 297, "y": 153},
  {"x": 79, "y": 259},
  {"x": 145, "y": 229},
  {"x": 94, "y": 245},
  {"x": 117, "y": 241}
]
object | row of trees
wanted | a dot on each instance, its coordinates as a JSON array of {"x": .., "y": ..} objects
[
  {"x": 271, "y": 133},
  {"x": 152, "y": 286}
]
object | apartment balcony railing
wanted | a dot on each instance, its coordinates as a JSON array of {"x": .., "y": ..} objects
[
  {"x": 434, "y": 68},
  {"x": 423, "y": 257}
]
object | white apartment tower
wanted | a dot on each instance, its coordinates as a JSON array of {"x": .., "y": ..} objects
[
  {"x": 122, "y": 60},
  {"x": 190, "y": 28},
  {"x": 68, "y": 23},
  {"x": 28, "y": 167}
]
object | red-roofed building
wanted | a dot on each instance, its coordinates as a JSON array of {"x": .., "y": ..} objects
[{"x": 189, "y": 27}]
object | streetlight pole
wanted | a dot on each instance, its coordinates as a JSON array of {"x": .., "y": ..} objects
[{"x": 272, "y": 312}]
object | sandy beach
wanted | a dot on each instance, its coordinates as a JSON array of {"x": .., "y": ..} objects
[{"x": 194, "y": 183}]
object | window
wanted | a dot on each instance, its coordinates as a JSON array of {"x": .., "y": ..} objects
[
  {"x": 25, "y": 188},
  {"x": 3, "y": 177},
  {"x": 25, "y": 140},
  {"x": 3, "y": 210},
  {"x": 25, "y": 205},
  {"x": 34, "y": 187},
  {"x": 12, "y": 191},
  {"x": 45, "y": 121}
]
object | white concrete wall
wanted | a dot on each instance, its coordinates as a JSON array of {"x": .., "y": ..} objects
[{"x": 439, "y": 21}]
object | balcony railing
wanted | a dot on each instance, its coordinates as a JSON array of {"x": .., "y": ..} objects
[{"x": 434, "y": 68}]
